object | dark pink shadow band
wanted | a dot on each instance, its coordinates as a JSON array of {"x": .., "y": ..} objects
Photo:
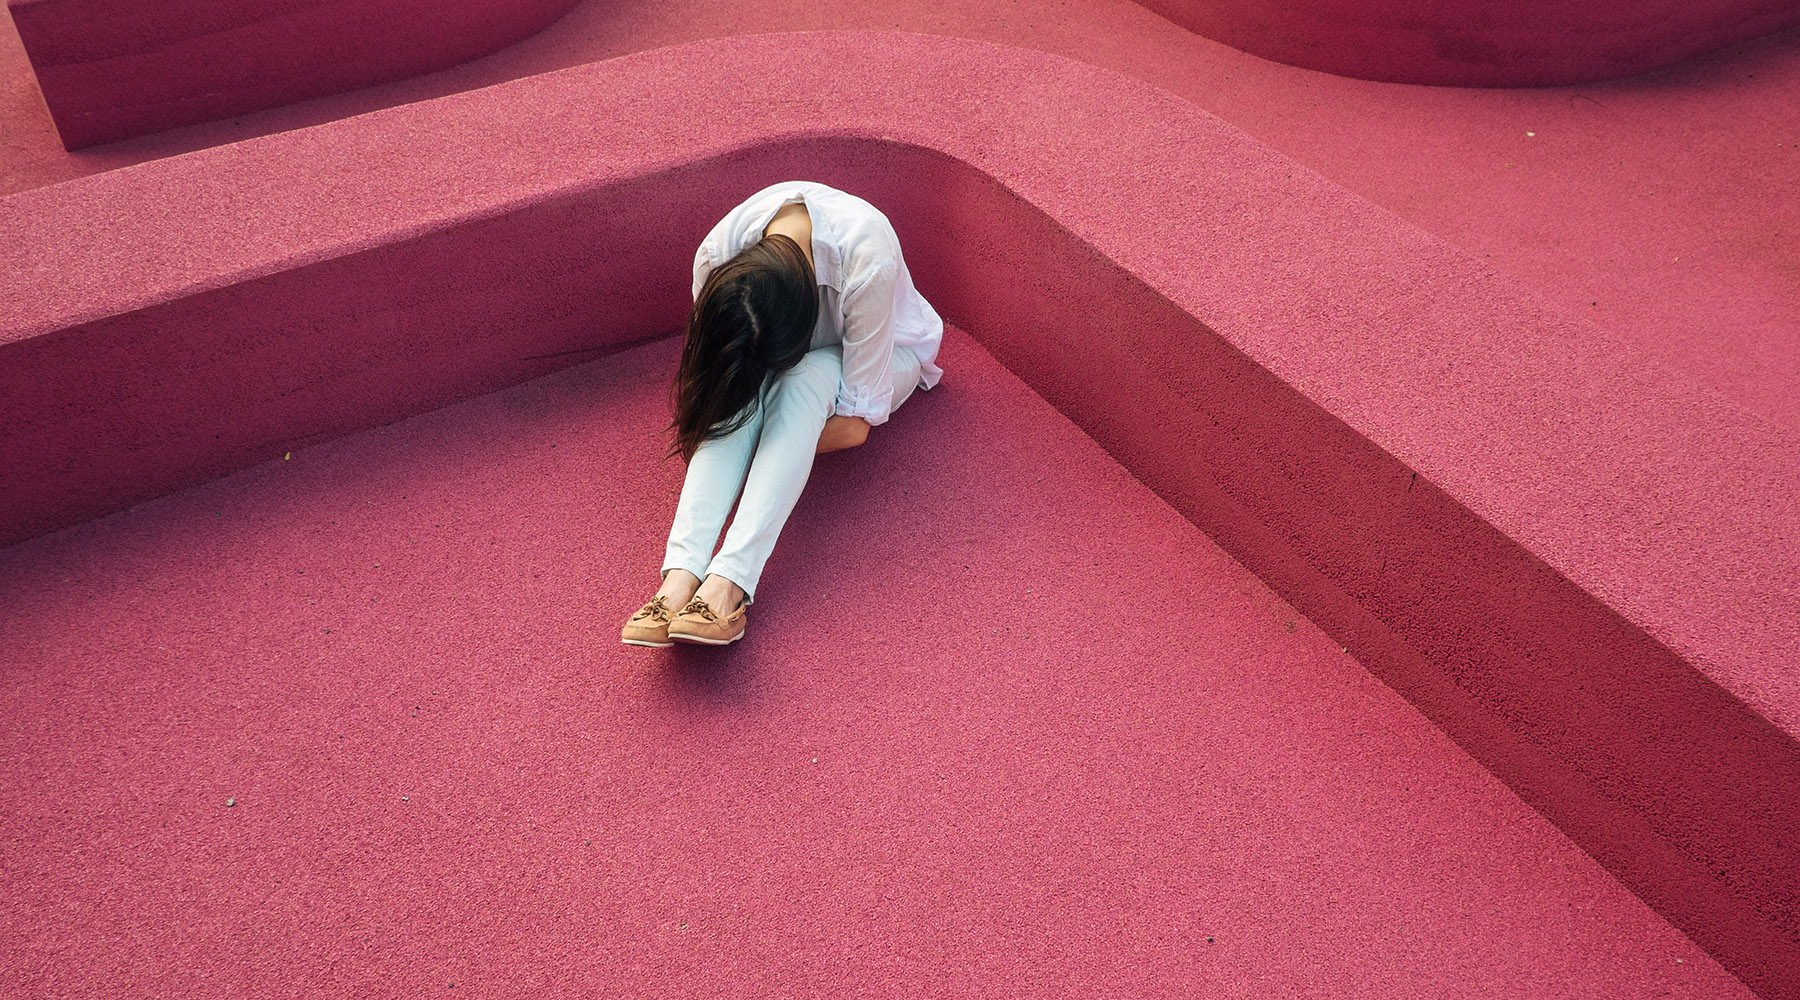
[
  {"x": 112, "y": 70},
  {"x": 1480, "y": 43}
]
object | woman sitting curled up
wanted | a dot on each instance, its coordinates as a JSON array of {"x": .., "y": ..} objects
[{"x": 806, "y": 332}]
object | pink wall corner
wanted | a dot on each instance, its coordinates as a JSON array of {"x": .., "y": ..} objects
[
  {"x": 1479, "y": 43},
  {"x": 110, "y": 70}
]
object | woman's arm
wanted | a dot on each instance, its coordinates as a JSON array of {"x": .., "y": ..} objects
[
  {"x": 841, "y": 433},
  {"x": 867, "y": 386}
]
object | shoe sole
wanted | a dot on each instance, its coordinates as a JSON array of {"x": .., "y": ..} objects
[
  {"x": 698, "y": 640},
  {"x": 646, "y": 642}
]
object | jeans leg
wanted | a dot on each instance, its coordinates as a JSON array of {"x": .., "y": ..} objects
[
  {"x": 714, "y": 476},
  {"x": 794, "y": 415}
]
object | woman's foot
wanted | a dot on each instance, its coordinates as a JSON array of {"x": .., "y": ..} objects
[
  {"x": 678, "y": 587},
  {"x": 649, "y": 625},
  {"x": 701, "y": 620},
  {"x": 698, "y": 622},
  {"x": 717, "y": 592}
]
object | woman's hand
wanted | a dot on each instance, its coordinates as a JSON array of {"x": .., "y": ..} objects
[{"x": 841, "y": 433}]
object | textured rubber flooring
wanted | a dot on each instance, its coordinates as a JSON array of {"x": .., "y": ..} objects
[{"x": 1005, "y": 725}]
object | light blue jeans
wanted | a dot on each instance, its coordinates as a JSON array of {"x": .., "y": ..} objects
[{"x": 767, "y": 461}]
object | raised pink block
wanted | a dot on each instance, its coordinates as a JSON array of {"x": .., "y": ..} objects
[
  {"x": 1480, "y": 43},
  {"x": 112, "y": 69}
]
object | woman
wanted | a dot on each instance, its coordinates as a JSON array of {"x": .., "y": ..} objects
[{"x": 806, "y": 332}]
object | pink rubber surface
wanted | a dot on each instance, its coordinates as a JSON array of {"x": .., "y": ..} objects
[
  {"x": 1290, "y": 467},
  {"x": 1006, "y": 725},
  {"x": 1649, "y": 205}
]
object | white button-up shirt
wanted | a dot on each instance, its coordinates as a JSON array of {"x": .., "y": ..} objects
[{"x": 867, "y": 301}]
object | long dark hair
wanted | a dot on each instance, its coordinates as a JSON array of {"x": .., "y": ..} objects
[{"x": 753, "y": 319}]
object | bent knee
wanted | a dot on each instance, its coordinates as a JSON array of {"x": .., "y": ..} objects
[{"x": 812, "y": 384}]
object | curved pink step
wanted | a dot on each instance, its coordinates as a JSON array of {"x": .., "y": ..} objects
[
  {"x": 1451, "y": 502},
  {"x": 1480, "y": 43},
  {"x": 112, "y": 69}
]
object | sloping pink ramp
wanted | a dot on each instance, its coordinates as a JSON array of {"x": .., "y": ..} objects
[{"x": 356, "y": 724}]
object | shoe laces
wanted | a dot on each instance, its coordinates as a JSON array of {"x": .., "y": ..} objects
[
  {"x": 657, "y": 608},
  {"x": 701, "y": 608}
]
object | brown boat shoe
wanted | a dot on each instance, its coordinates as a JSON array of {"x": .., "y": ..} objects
[
  {"x": 649, "y": 625},
  {"x": 698, "y": 622}
]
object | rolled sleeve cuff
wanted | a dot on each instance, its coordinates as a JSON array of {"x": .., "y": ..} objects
[{"x": 862, "y": 401}]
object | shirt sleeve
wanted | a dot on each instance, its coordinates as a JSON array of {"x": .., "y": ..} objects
[
  {"x": 867, "y": 389},
  {"x": 703, "y": 265}
]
